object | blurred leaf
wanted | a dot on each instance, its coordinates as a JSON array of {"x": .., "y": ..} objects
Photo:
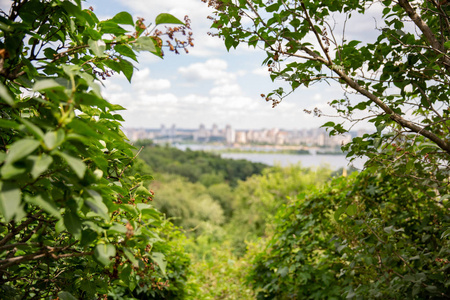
[
  {"x": 47, "y": 84},
  {"x": 160, "y": 260},
  {"x": 119, "y": 228},
  {"x": 97, "y": 47},
  {"x": 33, "y": 129},
  {"x": 75, "y": 163},
  {"x": 351, "y": 209},
  {"x": 53, "y": 139},
  {"x": 45, "y": 203},
  {"x": 103, "y": 253},
  {"x": 131, "y": 257},
  {"x": 144, "y": 43},
  {"x": 66, "y": 296},
  {"x": 123, "y": 18},
  {"x": 127, "y": 68},
  {"x": 40, "y": 164},
  {"x": 73, "y": 223},
  {"x": 165, "y": 18},
  {"x": 10, "y": 196},
  {"x": 21, "y": 149},
  {"x": 5, "y": 96}
]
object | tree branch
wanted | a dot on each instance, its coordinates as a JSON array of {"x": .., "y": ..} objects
[
  {"x": 5, "y": 263},
  {"x": 393, "y": 116},
  {"x": 427, "y": 32},
  {"x": 19, "y": 228}
]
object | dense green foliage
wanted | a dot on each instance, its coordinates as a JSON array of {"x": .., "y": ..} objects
[
  {"x": 207, "y": 168},
  {"x": 73, "y": 223},
  {"x": 259, "y": 198},
  {"x": 222, "y": 276},
  {"x": 363, "y": 237},
  {"x": 384, "y": 233},
  {"x": 187, "y": 204},
  {"x": 401, "y": 76}
]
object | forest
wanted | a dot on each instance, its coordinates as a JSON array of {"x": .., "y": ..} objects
[{"x": 87, "y": 214}]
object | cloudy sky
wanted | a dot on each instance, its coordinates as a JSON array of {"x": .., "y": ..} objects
[{"x": 209, "y": 85}]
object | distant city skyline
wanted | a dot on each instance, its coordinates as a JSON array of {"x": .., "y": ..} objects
[
  {"x": 211, "y": 125},
  {"x": 307, "y": 137}
]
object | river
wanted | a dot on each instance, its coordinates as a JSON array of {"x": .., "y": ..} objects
[{"x": 306, "y": 160}]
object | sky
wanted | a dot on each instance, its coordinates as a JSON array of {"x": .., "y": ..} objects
[{"x": 209, "y": 85}]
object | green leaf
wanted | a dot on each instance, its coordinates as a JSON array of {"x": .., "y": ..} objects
[
  {"x": 21, "y": 149},
  {"x": 125, "y": 274},
  {"x": 283, "y": 271},
  {"x": 33, "y": 129},
  {"x": 5, "y": 96},
  {"x": 445, "y": 234},
  {"x": 143, "y": 191},
  {"x": 339, "y": 212},
  {"x": 165, "y": 18},
  {"x": 53, "y": 139},
  {"x": 119, "y": 228},
  {"x": 144, "y": 43},
  {"x": 111, "y": 28},
  {"x": 103, "y": 252},
  {"x": 9, "y": 171},
  {"x": 353, "y": 43},
  {"x": 10, "y": 196},
  {"x": 351, "y": 210},
  {"x": 87, "y": 237},
  {"x": 5, "y": 27},
  {"x": 98, "y": 207},
  {"x": 389, "y": 229},
  {"x": 131, "y": 257},
  {"x": 45, "y": 203},
  {"x": 9, "y": 124},
  {"x": 351, "y": 294},
  {"x": 72, "y": 223},
  {"x": 160, "y": 260},
  {"x": 126, "y": 51},
  {"x": 75, "y": 163},
  {"x": 123, "y": 18},
  {"x": 328, "y": 124},
  {"x": 97, "y": 47},
  {"x": 127, "y": 68},
  {"x": 66, "y": 296},
  {"x": 47, "y": 84},
  {"x": 447, "y": 44},
  {"x": 273, "y": 7}
]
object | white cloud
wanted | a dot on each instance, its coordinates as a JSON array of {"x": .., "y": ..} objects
[
  {"x": 226, "y": 90},
  {"x": 143, "y": 82},
  {"x": 317, "y": 97},
  {"x": 262, "y": 71},
  {"x": 212, "y": 69}
]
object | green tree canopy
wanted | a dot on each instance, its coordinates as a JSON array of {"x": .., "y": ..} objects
[
  {"x": 401, "y": 79},
  {"x": 73, "y": 223}
]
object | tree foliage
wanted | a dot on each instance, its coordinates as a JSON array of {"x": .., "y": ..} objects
[
  {"x": 73, "y": 222},
  {"x": 383, "y": 233},
  {"x": 208, "y": 168},
  {"x": 369, "y": 236},
  {"x": 400, "y": 80},
  {"x": 258, "y": 199}
]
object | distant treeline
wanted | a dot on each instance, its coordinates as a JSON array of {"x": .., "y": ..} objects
[{"x": 196, "y": 166}]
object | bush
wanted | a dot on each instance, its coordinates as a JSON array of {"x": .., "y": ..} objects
[{"x": 366, "y": 236}]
